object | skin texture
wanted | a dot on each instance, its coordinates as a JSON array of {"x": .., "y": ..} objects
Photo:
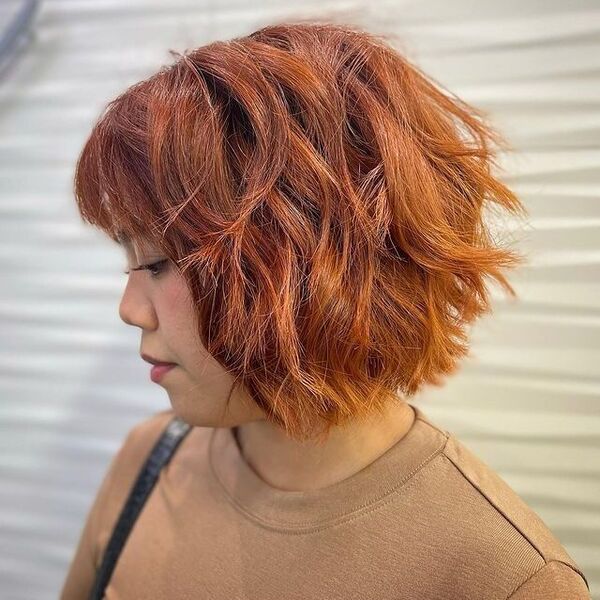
[{"x": 160, "y": 305}]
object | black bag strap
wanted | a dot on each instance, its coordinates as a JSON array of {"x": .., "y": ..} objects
[{"x": 161, "y": 453}]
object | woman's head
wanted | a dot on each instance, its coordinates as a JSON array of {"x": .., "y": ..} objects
[{"x": 321, "y": 204}]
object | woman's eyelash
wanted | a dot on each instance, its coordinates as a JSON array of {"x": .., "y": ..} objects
[{"x": 155, "y": 268}]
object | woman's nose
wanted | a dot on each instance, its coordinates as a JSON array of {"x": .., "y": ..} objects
[{"x": 136, "y": 309}]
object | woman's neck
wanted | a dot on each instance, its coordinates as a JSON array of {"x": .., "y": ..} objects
[{"x": 290, "y": 465}]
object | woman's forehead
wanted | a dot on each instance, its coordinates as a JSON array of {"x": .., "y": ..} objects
[{"x": 129, "y": 242}]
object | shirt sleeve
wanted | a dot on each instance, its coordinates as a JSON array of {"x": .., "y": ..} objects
[{"x": 554, "y": 581}]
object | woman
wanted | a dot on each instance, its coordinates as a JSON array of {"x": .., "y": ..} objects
[{"x": 302, "y": 215}]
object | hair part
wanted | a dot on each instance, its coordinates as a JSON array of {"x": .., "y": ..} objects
[{"x": 324, "y": 200}]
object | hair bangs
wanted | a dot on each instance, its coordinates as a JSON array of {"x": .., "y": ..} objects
[{"x": 114, "y": 184}]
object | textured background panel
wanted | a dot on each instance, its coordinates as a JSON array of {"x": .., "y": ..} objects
[{"x": 527, "y": 400}]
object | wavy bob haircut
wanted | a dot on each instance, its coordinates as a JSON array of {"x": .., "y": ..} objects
[{"x": 323, "y": 199}]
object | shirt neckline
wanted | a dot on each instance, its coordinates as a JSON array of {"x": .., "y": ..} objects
[{"x": 317, "y": 509}]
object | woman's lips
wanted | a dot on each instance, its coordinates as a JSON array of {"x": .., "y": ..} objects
[{"x": 157, "y": 372}]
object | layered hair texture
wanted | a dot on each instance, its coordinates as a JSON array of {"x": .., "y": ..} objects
[{"x": 324, "y": 200}]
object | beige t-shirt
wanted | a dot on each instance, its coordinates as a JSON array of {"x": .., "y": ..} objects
[{"x": 427, "y": 520}]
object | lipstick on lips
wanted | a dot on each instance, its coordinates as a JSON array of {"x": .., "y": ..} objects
[
  {"x": 157, "y": 372},
  {"x": 159, "y": 369}
]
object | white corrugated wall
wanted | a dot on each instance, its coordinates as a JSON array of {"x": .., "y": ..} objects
[{"x": 72, "y": 384}]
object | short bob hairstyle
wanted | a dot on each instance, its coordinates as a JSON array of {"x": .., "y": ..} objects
[{"x": 323, "y": 200}]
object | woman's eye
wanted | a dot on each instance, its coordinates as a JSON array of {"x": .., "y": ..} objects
[{"x": 155, "y": 268}]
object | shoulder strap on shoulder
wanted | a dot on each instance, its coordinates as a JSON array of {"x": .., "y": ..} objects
[{"x": 161, "y": 453}]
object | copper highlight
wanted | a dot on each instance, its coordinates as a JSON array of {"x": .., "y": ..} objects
[{"x": 324, "y": 200}]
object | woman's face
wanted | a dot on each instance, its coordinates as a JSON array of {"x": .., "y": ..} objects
[{"x": 159, "y": 303}]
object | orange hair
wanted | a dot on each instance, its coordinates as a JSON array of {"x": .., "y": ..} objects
[{"x": 324, "y": 201}]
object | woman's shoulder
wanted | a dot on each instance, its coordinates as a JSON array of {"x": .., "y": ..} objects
[
  {"x": 521, "y": 521},
  {"x": 146, "y": 431},
  {"x": 126, "y": 464},
  {"x": 138, "y": 443},
  {"x": 110, "y": 497}
]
